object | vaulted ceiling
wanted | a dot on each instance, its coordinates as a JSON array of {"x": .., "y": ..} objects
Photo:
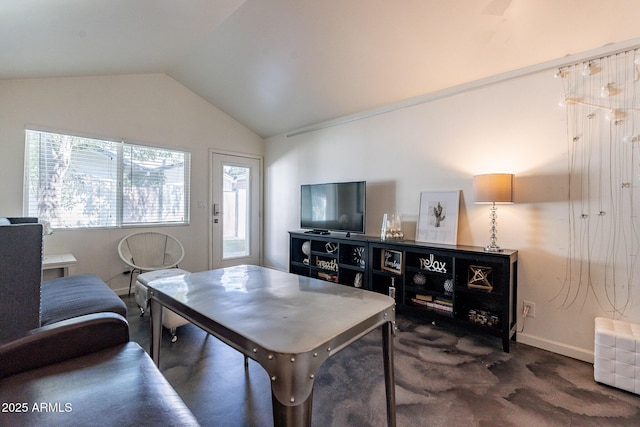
[{"x": 279, "y": 65}]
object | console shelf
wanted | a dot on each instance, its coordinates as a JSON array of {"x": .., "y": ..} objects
[
  {"x": 463, "y": 284},
  {"x": 328, "y": 257}
]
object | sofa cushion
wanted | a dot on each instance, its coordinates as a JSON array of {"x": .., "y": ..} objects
[
  {"x": 73, "y": 296},
  {"x": 113, "y": 387}
]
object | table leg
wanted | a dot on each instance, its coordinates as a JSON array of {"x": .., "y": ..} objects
[
  {"x": 389, "y": 376},
  {"x": 156, "y": 330},
  {"x": 292, "y": 416}
]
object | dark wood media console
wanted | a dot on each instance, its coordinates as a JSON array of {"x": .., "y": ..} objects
[{"x": 464, "y": 284}]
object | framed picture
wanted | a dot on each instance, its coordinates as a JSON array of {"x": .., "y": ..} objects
[
  {"x": 391, "y": 261},
  {"x": 438, "y": 218}
]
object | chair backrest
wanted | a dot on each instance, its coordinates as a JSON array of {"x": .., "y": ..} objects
[
  {"x": 149, "y": 250},
  {"x": 20, "y": 277}
]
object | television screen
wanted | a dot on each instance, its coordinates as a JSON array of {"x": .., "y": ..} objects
[{"x": 336, "y": 206}]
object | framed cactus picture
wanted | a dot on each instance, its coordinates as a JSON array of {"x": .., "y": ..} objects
[{"x": 438, "y": 217}]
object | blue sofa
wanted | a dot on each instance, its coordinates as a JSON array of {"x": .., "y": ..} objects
[
  {"x": 29, "y": 303},
  {"x": 65, "y": 353}
]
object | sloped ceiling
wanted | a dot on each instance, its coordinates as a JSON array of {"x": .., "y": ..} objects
[{"x": 279, "y": 65}]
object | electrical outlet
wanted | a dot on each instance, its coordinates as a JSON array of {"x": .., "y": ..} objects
[{"x": 532, "y": 308}]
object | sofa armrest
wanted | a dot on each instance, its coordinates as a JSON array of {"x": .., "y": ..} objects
[
  {"x": 23, "y": 220},
  {"x": 62, "y": 341}
]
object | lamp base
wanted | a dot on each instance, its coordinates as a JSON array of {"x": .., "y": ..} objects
[{"x": 493, "y": 246}]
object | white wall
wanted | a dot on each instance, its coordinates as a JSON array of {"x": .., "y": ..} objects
[
  {"x": 148, "y": 109},
  {"x": 514, "y": 126}
]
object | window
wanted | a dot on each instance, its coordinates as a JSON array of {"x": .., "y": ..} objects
[{"x": 78, "y": 182}]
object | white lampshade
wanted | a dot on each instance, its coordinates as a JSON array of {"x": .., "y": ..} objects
[{"x": 493, "y": 188}]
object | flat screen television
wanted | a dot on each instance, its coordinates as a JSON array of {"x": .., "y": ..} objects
[{"x": 338, "y": 206}]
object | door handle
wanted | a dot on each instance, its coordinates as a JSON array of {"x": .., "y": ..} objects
[{"x": 216, "y": 209}]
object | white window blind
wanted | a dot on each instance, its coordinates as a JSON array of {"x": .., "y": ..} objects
[{"x": 79, "y": 182}]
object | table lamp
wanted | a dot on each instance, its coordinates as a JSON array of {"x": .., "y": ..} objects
[{"x": 494, "y": 188}]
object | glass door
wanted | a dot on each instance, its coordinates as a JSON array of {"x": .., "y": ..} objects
[{"x": 236, "y": 210}]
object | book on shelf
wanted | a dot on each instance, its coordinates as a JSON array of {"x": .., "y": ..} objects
[
  {"x": 424, "y": 297},
  {"x": 440, "y": 307},
  {"x": 329, "y": 277},
  {"x": 433, "y": 305}
]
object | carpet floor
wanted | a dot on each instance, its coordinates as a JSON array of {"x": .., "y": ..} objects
[{"x": 444, "y": 377}]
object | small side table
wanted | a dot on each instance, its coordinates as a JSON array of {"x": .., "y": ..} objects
[{"x": 57, "y": 265}]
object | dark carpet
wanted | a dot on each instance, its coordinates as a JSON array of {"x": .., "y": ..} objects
[{"x": 444, "y": 377}]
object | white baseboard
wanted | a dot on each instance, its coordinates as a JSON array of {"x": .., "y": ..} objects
[{"x": 556, "y": 347}]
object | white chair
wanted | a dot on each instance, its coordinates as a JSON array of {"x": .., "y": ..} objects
[{"x": 150, "y": 251}]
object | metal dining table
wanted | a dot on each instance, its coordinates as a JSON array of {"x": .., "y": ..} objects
[{"x": 287, "y": 323}]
